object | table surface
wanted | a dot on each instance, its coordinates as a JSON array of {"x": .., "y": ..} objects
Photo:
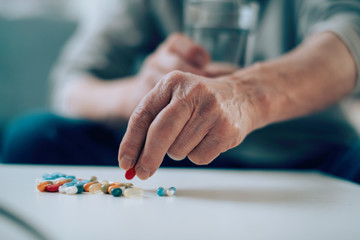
[{"x": 210, "y": 204}]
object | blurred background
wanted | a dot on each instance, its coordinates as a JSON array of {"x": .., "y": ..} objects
[{"x": 32, "y": 34}]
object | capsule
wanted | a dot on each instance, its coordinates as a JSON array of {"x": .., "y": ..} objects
[
  {"x": 42, "y": 186},
  {"x": 80, "y": 188},
  {"x": 133, "y": 192},
  {"x": 93, "y": 178},
  {"x": 112, "y": 187},
  {"x": 95, "y": 188},
  {"x": 87, "y": 186},
  {"x": 104, "y": 188},
  {"x": 171, "y": 192},
  {"x": 71, "y": 190},
  {"x": 52, "y": 188},
  {"x": 161, "y": 191},
  {"x": 130, "y": 174},
  {"x": 61, "y": 182},
  {"x": 116, "y": 192}
]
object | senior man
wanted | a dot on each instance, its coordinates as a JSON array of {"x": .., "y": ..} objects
[{"x": 280, "y": 112}]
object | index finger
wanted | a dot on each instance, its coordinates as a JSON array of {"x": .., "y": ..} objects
[
  {"x": 139, "y": 122},
  {"x": 162, "y": 133}
]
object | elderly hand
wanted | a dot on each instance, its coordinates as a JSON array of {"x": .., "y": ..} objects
[{"x": 188, "y": 115}]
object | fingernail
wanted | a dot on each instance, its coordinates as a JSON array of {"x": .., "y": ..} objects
[
  {"x": 142, "y": 173},
  {"x": 125, "y": 162}
]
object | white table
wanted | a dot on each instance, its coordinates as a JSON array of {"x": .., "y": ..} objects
[{"x": 210, "y": 204}]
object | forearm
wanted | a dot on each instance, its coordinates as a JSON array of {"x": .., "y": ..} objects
[
  {"x": 313, "y": 76},
  {"x": 93, "y": 98}
]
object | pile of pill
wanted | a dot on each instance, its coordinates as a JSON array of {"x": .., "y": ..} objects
[
  {"x": 68, "y": 184},
  {"x": 59, "y": 182}
]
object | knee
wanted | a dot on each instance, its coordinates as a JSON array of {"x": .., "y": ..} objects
[{"x": 29, "y": 137}]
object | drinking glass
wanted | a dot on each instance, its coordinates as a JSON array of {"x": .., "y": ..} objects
[{"x": 223, "y": 27}]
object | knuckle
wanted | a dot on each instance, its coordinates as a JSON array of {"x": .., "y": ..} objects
[
  {"x": 199, "y": 159},
  {"x": 177, "y": 152},
  {"x": 141, "y": 117},
  {"x": 175, "y": 77}
]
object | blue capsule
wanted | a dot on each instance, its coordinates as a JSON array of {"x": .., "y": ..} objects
[
  {"x": 80, "y": 188},
  {"x": 69, "y": 176},
  {"x": 58, "y": 174},
  {"x": 160, "y": 191},
  {"x": 69, "y": 184},
  {"x": 116, "y": 192},
  {"x": 84, "y": 181},
  {"x": 48, "y": 176}
]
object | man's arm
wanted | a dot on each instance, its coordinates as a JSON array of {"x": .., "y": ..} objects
[{"x": 189, "y": 115}]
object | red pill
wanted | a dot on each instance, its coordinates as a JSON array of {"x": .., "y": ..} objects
[
  {"x": 130, "y": 174},
  {"x": 53, "y": 188}
]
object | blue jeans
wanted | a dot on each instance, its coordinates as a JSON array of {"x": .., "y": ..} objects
[{"x": 45, "y": 138}]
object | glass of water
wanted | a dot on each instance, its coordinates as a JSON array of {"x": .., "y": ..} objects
[{"x": 223, "y": 27}]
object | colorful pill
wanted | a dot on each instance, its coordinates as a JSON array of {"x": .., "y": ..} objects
[
  {"x": 69, "y": 184},
  {"x": 95, "y": 188},
  {"x": 112, "y": 187},
  {"x": 80, "y": 188},
  {"x": 42, "y": 186},
  {"x": 52, "y": 188},
  {"x": 133, "y": 192},
  {"x": 104, "y": 188},
  {"x": 171, "y": 192},
  {"x": 161, "y": 191},
  {"x": 130, "y": 174},
  {"x": 62, "y": 189},
  {"x": 61, "y": 182},
  {"x": 87, "y": 185},
  {"x": 116, "y": 192},
  {"x": 71, "y": 190},
  {"x": 93, "y": 179}
]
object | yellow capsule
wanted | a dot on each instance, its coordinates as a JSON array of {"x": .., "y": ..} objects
[
  {"x": 133, "y": 192},
  {"x": 87, "y": 185},
  {"x": 95, "y": 188},
  {"x": 61, "y": 182}
]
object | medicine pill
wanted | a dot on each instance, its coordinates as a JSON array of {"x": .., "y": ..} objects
[
  {"x": 104, "y": 188},
  {"x": 42, "y": 186},
  {"x": 111, "y": 187},
  {"x": 61, "y": 182},
  {"x": 52, "y": 188},
  {"x": 95, "y": 188},
  {"x": 116, "y": 192},
  {"x": 133, "y": 192},
  {"x": 87, "y": 185},
  {"x": 130, "y": 174},
  {"x": 69, "y": 184},
  {"x": 62, "y": 189},
  {"x": 80, "y": 188},
  {"x": 93, "y": 179},
  {"x": 161, "y": 191},
  {"x": 171, "y": 192},
  {"x": 71, "y": 190}
]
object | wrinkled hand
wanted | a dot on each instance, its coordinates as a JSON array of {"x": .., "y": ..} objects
[{"x": 186, "y": 115}]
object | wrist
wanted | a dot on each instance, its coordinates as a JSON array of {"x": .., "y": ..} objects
[{"x": 254, "y": 83}]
